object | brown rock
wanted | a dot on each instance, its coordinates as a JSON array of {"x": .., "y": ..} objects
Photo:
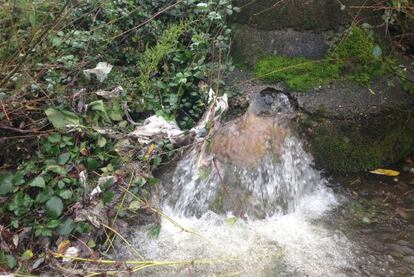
[{"x": 244, "y": 142}]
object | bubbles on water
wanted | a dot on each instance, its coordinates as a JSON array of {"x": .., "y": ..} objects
[{"x": 287, "y": 245}]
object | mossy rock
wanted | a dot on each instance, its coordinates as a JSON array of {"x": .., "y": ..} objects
[
  {"x": 357, "y": 57},
  {"x": 351, "y": 127},
  {"x": 345, "y": 145}
]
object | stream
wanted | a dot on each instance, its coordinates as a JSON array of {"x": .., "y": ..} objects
[{"x": 280, "y": 217}]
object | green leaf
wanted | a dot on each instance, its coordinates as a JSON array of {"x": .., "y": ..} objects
[
  {"x": 27, "y": 255},
  {"x": 56, "y": 169},
  {"x": 157, "y": 160},
  {"x": 54, "y": 138},
  {"x": 99, "y": 106},
  {"x": 91, "y": 243},
  {"x": 115, "y": 112},
  {"x": 52, "y": 224},
  {"x": 101, "y": 141},
  {"x": 38, "y": 182},
  {"x": 18, "y": 178},
  {"x": 134, "y": 205},
  {"x": 92, "y": 164},
  {"x": 62, "y": 118},
  {"x": 10, "y": 261},
  {"x": 6, "y": 183},
  {"x": 63, "y": 158},
  {"x": 154, "y": 230},
  {"x": 66, "y": 194},
  {"x": 140, "y": 181},
  {"x": 107, "y": 197},
  {"x": 231, "y": 220},
  {"x": 44, "y": 195},
  {"x": 54, "y": 206},
  {"x": 153, "y": 181}
]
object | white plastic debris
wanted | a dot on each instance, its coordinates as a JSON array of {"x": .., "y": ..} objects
[
  {"x": 110, "y": 94},
  {"x": 101, "y": 181},
  {"x": 154, "y": 126},
  {"x": 70, "y": 252},
  {"x": 101, "y": 71},
  {"x": 83, "y": 178},
  {"x": 96, "y": 190},
  {"x": 157, "y": 126},
  {"x": 217, "y": 106}
]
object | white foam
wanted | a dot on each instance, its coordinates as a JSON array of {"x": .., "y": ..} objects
[{"x": 289, "y": 241}]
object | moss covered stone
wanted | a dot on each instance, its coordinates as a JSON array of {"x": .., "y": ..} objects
[
  {"x": 355, "y": 58},
  {"x": 345, "y": 146}
]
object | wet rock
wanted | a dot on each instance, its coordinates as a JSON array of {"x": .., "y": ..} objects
[
  {"x": 347, "y": 127},
  {"x": 400, "y": 249},
  {"x": 244, "y": 142},
  {"x": 354, "y": 128},
  {"x": 250, "y": 43},
  {"x": 349, "y": 100}
]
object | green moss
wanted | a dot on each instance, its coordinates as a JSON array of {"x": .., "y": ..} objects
[
  {"x": 361, "y": 148},
  {"x": 338, "y": 153},
  {"x": 360, "y": 58},
  {"x": 298, "y": 73},
  {"x": 356, "y": 58}
]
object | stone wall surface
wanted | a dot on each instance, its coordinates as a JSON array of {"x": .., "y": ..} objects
[
  {"x": 250, "y": 44},
  {"x": 301, "y": 15}
]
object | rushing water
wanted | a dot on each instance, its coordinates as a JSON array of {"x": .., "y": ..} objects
[{"x": 285, "y": 204}]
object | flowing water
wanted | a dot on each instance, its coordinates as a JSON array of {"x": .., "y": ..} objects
[{"x": 288, "y": 226}]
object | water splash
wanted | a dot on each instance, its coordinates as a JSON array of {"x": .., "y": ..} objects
[
  {"x": 282, "y": 198},
  {"x": 274, "y": 187}
]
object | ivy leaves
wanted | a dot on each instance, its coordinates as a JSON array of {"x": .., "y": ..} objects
[
  {"x": 62, "y": 118},
  {"x": 6, "y": 183},
  {"x": 9, "y": 181},
  {"x": 38, "y": 182},
  {"x": 54, "y": 206}
]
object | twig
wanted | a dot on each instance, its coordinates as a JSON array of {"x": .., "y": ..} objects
[
  {"x": 5, "y": 112},
  {"x": 18, "y": 130},
  {"x": 126, "y": 242},
  {"x": 118, "y": 210},
  {"x": 164, "y": 215}
]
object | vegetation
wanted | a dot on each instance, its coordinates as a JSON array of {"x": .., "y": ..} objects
[
  {"x": 63, "y": 172},
  {"x": 356, "y": 57}
]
